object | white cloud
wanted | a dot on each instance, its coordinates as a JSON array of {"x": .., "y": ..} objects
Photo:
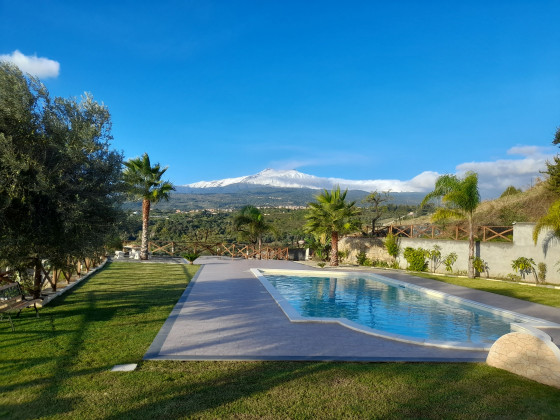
[
  {"x": 530, "y": 151},
  {"x": 36, "y": 66},
  {"x": 495, "y": 176}
]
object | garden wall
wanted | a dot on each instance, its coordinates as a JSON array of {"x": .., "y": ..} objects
[{"x": 497, "y": 255}]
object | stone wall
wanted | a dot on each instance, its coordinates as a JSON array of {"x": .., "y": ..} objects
[
  {"x": 497, "y": 255},
  {"x": 373, "y": 247},
  {"x": 526, "y": 355}
]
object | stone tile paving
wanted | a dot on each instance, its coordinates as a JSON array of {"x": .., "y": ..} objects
[{"x": 226, "y": 314}]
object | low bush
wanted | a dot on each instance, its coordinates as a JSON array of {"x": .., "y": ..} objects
[{"x": 416, "y": 259}]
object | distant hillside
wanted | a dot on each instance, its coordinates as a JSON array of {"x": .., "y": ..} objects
[
  {"x": 527, "y": 206},
  {"x": 238, "y": 195}
]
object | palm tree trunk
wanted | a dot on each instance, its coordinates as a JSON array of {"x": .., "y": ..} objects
[
  {"x": 334, "y": 249},
  {"x": 470, "y": 268},
  {"x": 145, "y": 220}
]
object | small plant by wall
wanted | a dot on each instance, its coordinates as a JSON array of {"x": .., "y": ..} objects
[
  {"x": 434, "y": 256},
  {"x": 542, "y": 272},
  {"x": 480, "y": 266},
  {"x": 392, "y": 245},
  {"x": 416, "y": 259},
  {"x": 362, "y": 259},
  {"x": 342, "y": 255},
  {"x": 449, "y": 260},
  {"x": 525, "y": 266}
]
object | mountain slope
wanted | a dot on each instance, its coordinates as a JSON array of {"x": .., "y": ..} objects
[{"x": 294, "y": 179}]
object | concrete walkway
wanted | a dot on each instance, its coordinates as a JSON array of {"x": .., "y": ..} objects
[{"x": 226, "y": 314}]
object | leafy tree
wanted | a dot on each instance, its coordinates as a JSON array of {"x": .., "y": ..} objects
[
  {"x": 416, "y": 258},
  {"x": 553, "y": 168},
  {"x": 449, "y": 260},
  {"x": 374, "y": 200},
  {"x": 250, "y": 222},
  {"x": 392, "y": 245},
  {"x": 551, "y": 220},
  {"x": 460, "y": 198},
  {"x": 144, "y": 183},
  {"x": 332, "y": 215},
  {"x": 524, "y": 266},
  {"x": 59, "y": 181},
  {"x": 509, "y": 191}
]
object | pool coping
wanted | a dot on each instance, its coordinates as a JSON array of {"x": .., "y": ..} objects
[{"x": 529, "y": 327}]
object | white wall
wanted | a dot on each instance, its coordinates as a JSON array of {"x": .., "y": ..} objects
[{"x": 498, "y": 255}]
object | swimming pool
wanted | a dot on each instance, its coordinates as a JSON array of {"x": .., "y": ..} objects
[{"x": 380, "y": 306}]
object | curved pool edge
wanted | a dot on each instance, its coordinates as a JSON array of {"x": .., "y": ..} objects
[{"x": 530, "y": 327}]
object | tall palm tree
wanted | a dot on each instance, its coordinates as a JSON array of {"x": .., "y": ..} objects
[
  {"x": 144, "y": 183},
  {"x": 332, "y": 215},
  {"x": 461, "y": 198},
  {"x": 250, "y": 221}
]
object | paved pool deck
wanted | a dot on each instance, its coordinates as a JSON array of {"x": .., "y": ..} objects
[{"x": 226, "y": 314}]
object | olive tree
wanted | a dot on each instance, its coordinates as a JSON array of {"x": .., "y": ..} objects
[{"x": 59, "y": 180}]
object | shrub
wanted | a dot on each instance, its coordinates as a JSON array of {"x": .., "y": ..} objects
[
  {"x": 524, "y": 266},
  {"x": 416, "y": 259},
  {"x": 362, "y": 259},
  {"x": 342, "y": 255},
  {"x": 513, "y": 277},
  {"x": 380, "y": 263},
  {"x": 321, "y": 264},
  {"x": 392, "y": 245},
  {"x": 542, "y": 272},
  {"x": 395, "y": 265},
  {"x": 435, "y": 257},
  {"x": 191, "y": 256},
  {"x": 449, "y": 260},
  {"x": 480, "y": 265}
]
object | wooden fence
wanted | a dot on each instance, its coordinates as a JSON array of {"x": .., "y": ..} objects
[
  {"x": 482, "y": 233},
  {"x": 220, "y": 249}
]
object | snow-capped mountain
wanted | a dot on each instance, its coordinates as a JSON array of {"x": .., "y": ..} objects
[
  {"x": 268, "y": 177},
  {"x": 295, "y": 179}
]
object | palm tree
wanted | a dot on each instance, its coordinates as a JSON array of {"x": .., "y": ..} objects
[
  {"x": 144, "y": 183},
  {"x": 461, "y": 198},
  {"x": 551, "y": 220},
  {"x": 250, "y": 221},
  {"x": 332, "y": 215}
]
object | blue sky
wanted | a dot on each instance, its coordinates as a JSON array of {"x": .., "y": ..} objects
[{"x": 354, "y": 90}]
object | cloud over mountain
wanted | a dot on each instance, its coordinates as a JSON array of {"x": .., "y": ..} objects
[{"x": 494, "y": 176}]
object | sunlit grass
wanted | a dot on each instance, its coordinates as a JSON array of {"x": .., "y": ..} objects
[
  {"x": 58, "y": 367},
  {"x": 542, "y": 295}
]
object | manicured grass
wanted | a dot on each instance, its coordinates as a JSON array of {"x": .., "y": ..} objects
[
  {"x": 58, "y": 367},
  {"x": 542, "y": 295}
]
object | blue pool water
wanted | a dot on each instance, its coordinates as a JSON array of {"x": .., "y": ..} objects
[{"x": 380, "y": 304}]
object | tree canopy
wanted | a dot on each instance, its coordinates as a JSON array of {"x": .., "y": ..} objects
[
  {"x": 332, "y": 215},
  {"x": 59, "y": 181},
  {"x": 460, "y": 198},
  {"x": 251, "y": 223},
  {"x": 145, "y": 182}
]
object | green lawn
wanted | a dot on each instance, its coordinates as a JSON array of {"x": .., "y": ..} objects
[
  {"x": 542, "y": 295},
  {"x": 58, "y": 367}
]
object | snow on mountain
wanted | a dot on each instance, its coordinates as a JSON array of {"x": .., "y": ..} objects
[{"x": 294, "y": 179}]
